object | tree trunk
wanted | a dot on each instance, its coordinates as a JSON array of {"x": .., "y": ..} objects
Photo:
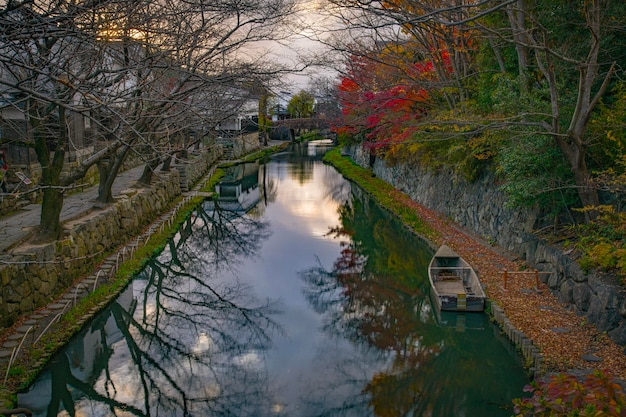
[
  {"x": 516, "y": 13},
  {"x": 146, "y": 175},
  {"x": 50, "y": 223},
  {"x": 573, "y": 144},
  {"x": 105, "y": 194},
  {"x": 167, "y": 163},
  {"x": 148, "y": 171},
  {"x": 574, "y": 152},
  {"x": 108, "y": 170},
  {"x": 51, "y": 168},
  {"x": 497, "y": 53}
]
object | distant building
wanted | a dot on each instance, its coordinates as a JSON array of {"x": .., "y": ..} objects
[{"x": 242, "y": 120}]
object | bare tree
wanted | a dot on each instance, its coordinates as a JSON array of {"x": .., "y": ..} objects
[
  {"x": 49, "y": 63},
  {"x": 149, "y": 75},
  {"x": 593, "y": 81}
]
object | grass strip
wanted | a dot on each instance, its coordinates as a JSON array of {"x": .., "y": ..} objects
[{"x": 384, "y": 193}]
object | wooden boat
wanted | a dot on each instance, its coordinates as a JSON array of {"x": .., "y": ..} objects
[{"x": 454, "y": 282}]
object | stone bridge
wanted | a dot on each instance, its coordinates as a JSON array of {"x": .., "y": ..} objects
[
  {"x": 285, "y": 129},
  {"x": 308, "y": 123}
]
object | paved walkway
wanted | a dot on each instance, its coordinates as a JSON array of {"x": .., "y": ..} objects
[{"x": 16, "y": 226}]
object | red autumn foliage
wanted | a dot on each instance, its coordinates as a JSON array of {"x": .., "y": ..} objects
[
  {"x": 382, "y": 104},
  {"x": 566, "y": 395}
]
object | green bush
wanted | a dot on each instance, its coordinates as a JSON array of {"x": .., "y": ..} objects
[
  {"x": 601, "y": 241},
  {"x": 536, "y": 174}
]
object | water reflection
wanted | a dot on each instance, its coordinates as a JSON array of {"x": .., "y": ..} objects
[
  {"x": 239, "y": 189},
  {"x": 177, "y": 342},
  {"x": 376, "y": 296},
  {"x": 302, "y": 159},
  {"x": 292, "y": 294}
]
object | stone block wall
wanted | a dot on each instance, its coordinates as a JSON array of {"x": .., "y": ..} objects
[
  {"x": 245, "y": 144},
  {"x": 190, "y": 170},
  {"x": 481, "y": 208},
  {"x": 35, "y": 274}
]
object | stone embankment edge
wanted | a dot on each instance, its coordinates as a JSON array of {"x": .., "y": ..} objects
[
  {"x": 83, "y": 300},
  {"x": 165, "y": 226},
  {"x": 533, "y": 360},
  {"x": 530, "y": 354},
  {"x": 483, "y": 209}
]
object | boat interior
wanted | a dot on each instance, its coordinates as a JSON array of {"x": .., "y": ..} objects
[{"x": 452, "y": 280}]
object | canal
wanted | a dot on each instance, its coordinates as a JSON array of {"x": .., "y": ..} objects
[{"x": 290, "y": 294}]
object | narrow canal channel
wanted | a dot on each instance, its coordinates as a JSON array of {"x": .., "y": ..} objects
[{"x": 292, "y": 294}]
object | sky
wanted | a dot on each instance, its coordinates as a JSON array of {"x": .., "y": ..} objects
[{"x": 308, "y": 24}]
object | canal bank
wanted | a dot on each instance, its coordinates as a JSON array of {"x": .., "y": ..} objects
[
  {"x": 550, "y": 335},
  {"x": 447, "y": 230},
  {"x": 34, "y": 338},
  {"x": 252, "y": 306}
]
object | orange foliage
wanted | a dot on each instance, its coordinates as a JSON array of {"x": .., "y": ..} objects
[{"x": 382, "y": 102}]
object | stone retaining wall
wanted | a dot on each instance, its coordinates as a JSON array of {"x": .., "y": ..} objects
[
  {"x": 36, "y": 273},
  {"x": 33, "y": 275},
  {"x": 245, "y": 144},
  {"x": 190, "y": 170},
  {"x": 481, "y": 208}
]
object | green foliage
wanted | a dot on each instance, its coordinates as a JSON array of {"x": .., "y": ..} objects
[
  {"x": 507, "y": 98},
  {"x": 301, "y": 105},
  {"x": 17, "y": 371},
  {"x": 482, "y": 88},
  {"x": 564, "y": 395},
  {"x": 606, "y": 129},
  {"x": 471, "y": 157},
  {"x": 209, "y": 186},
  {"x": 450, "y": 140},
  {"x": 345, "y": 139},
  {"x": 311, "y": 136},
  {"x": 503, "y": 96},
  {"x": 536, "y": 174},
  {"x": 602, "y": 241}
]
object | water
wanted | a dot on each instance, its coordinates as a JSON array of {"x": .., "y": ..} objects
[{"x": 294, "y": 295}]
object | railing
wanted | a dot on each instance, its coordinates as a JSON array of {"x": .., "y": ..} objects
[
  {"x": 303, "y": 123},
  {"x": 535, "y": 273}
]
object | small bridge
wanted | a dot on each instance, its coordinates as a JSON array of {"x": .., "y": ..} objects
[
  {"x": 288, "y": 129},
  {"x": 308, "y": 123}
]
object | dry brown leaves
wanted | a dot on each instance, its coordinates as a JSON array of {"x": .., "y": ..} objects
[{"x": 561, "y": 335}]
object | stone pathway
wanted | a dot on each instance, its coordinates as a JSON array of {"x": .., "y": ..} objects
[{"x": 16, "y": 227}]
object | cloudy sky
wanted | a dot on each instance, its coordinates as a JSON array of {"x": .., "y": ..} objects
[{"x": 308, "y": 25}]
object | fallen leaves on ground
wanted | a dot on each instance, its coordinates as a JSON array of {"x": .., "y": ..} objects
[{"x": 562, "y": 336}]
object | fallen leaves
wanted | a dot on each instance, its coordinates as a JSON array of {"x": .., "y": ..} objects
[{"x": 564, "y": 339}]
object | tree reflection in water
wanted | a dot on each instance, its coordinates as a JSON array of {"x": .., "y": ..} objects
[
  {"x": 185, "y": 344},
  {"x": 189, "y": 338},
  {"x": 377, "y": 296}
]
